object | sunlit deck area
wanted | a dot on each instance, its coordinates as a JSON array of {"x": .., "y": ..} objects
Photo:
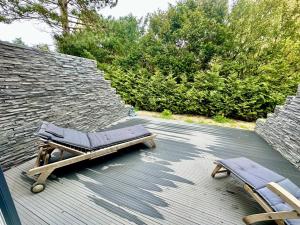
[{"x": 170, "y": 184}]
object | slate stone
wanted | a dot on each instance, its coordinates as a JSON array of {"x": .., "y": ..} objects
[
  {"x": 281, "y": 129},
  {"x": 67, "y": 90}
]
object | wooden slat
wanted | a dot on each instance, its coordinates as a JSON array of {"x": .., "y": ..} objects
[
  {"x": 66, "y": 148},
  {"x": 171, "y": 185}
]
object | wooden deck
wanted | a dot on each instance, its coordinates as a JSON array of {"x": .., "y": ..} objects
[{"x": 168, "y": 185}]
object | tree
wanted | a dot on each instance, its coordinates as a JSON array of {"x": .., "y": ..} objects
[
  {"x": 185, "y": 38},
  {"x": 200, "y": 58},
  {"x": 62, "y": 15},
  {"x": 115, "y": 39}
]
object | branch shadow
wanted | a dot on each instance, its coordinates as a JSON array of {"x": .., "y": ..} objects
[
  {"x": 128, "y": 182},
  {"x": 131, "y": 185}
]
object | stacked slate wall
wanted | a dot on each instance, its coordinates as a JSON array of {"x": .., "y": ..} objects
[
  {"x": 282, "y": 129},
  {"x": 37, "y": 86}
]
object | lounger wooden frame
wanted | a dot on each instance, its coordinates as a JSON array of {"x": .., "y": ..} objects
[
  {"x": 270, "y": 214},
  {"x": 43, "y": 169}
]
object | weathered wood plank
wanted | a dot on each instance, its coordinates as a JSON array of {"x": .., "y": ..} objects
[{"x": 170, "y": 185}]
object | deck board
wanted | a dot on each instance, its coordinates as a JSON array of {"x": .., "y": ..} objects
[{"x": 170, "y": 184}]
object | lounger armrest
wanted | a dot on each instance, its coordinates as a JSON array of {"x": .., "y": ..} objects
[{"x": 285, "y": 195}]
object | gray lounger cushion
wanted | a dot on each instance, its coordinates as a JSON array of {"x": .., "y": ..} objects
[
  {"x": 277, "y": 203},
  {"x": 112, "y": 137},
  {"x": 258, "y": 177},
  {"x": 251, "y": 172},
  {"x": 90, "y": 141},
  {"x": 70, "y": 137},
  {"x": 55, "y": 130}
]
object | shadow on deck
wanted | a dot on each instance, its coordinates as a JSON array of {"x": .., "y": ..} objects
[{"x": 168, "y": 185}]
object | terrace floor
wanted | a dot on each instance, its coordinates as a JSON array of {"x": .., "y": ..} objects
[{"x": 168, "y": 185}]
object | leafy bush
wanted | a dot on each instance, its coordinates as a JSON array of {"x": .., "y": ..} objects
[
  {"x": 197, "y": 58},
  {"x": 166, "y": 114}
]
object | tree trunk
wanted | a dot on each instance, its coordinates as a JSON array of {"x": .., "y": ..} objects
[{"x": 63, "y": 6}]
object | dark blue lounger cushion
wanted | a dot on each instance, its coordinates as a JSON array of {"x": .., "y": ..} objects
[
  {"x": 90, "y": 141},
  {"x": 258, "y": 177}
]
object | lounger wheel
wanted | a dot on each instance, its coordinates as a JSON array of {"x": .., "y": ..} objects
[{"x": 37, "y": 188}]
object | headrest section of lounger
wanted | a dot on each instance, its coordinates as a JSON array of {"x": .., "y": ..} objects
[
  {"x": 62, "y": 135},
  {"x": 55, "y": 130},
  {"x": 49, "y": 129}
]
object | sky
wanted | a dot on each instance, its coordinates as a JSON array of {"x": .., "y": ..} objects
[{"x": 33, "y": 33}]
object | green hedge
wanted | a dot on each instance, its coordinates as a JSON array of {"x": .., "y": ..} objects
[
  {"x": 210, "y": 94},
  {"x": 197, "y": 58}
]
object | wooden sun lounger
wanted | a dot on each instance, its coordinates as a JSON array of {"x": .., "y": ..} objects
[
  {"x": 43, "y": 168},
  {"x": 277, "y": 195}
]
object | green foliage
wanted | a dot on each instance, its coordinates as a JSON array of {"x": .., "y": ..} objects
[
  {"x": 115, "y": 39},
  {"x": 166, "y": 114},
  {"x": 62, "y": 15},
  {"x": 221, "y": 119},
  {"x": 197, "y": 58}
]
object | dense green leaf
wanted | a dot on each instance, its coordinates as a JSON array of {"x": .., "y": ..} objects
[{"x": 199, "y": 57}]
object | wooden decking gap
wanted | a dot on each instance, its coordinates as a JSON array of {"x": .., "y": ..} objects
[{"x": 168, "y": 185}]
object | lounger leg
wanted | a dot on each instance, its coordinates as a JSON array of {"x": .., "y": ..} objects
[
  {"x": 43, "y": 155},
  {"x": 40, "y": 183},
  {"x": 46, "y": 159},
  {"x": 152, "y": 143},
  {"x": 215, "y": 171},
  {"x": 38, "y": 158},
  {"x": 218, "y": 170},
  {"x": 61, "y": 154}
]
